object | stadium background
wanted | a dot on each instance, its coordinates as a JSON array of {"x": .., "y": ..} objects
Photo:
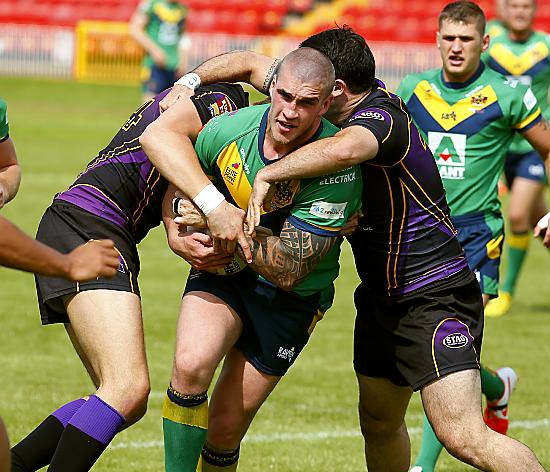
[{"x": 69, "y": 74}]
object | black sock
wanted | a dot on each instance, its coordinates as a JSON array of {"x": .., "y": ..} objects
[
  {"x": 36, "y": 450},
  {"x": 86, "y": 436},
  {"x": 85, "y": 451}
]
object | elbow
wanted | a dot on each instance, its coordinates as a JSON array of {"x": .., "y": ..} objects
[
  {"x": 147, "y": 138},
  {"x": 287, "y": 283}
]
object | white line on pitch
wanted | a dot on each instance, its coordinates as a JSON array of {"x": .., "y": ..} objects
[{"x": 319, "y": 435}]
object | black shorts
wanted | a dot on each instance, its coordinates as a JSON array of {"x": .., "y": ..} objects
[
  {"x": 418, "y": 338},
  {"x": 276, "y": 324},
  {"x": 65, "y": 226}
]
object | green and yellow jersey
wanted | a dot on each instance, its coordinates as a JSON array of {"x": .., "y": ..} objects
[
  {"x": 230, "y": 149},
  {"x": 4, "y": 127},
  {"x": 165, "y": 26},
  {"x": 469, "y": 127},
  {"x": 529, "y": 63}
]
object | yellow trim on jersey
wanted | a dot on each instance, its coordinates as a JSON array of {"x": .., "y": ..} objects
[
  {"x": 171, "y": 15},
  {"x": 493, "y": 247},
  {"x": 390, "y": 232},
  {"x": 146, "y": 196},
  {"x": 231, "y": 168},
  {"x": 528, "y": 120},
  {"x": 448, "y": 116},
  {"x": 518, "y": 65},
  {"x": 438, "y": 218}
]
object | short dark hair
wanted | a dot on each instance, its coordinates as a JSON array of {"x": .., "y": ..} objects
[
  {"x": 349, "y": 53},
  {"x": 467, "y": 12}
]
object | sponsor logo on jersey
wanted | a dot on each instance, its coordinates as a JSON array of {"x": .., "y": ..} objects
[
  {"x": 455, "y": 340},
  {"x": 327, "y": 210},
  {"x": 222, "y": 105},
  {"x": 368, "y": 114},
  {"x": 338, "y": 179},
  {"x": 449, "y": 150},
  {"x": 285, "y": 353},
  {"x": 464, "y": 112},
  {"x": 536, "y": 170},
  {"x": 231, "y": 173},
  {"x": 479, "y": 100}
]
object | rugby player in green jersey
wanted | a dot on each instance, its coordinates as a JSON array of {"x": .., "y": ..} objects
[
  {"x": 523, "y": 54},
  {"x": 469, "y": 115},
  {"x": 10, "y": 171},
  {"x": 259, "y": 319},
  {"x": 158, "y": 26},
  {"x": 497, "y": 26},
  {"x": 403, "y": 294}
]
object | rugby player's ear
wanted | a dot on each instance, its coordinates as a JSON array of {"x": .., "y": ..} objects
[
  {"x": 326, "y": 104},
  {"x": 338, "y": 89},
  {"x": 438, "y": 40},
  {"x": 485, "y": 43},
  {"x": 272, "y": 86}
]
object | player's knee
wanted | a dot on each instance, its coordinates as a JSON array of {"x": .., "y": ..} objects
[
  {"x": 459, "y": 443},
  {"x": 132, "y": 396},
  {"x": 377, "y": 423},
  {"x": 190, "y": 374},
  {"x": 519, "y": 220}
]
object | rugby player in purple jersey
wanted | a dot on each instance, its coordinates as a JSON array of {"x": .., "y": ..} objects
[{"x": 118, "y": 196}]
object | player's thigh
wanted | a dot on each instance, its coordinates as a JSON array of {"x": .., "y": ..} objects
[
  {"x": 525, "y": 196},
  {"x": 207, "y": 328},
  {"x": 240, "y": 391},
  {"x": 108, "y": 327},
  {"x": 382, "y": 401},
  {"x": 453, "y": 403}
]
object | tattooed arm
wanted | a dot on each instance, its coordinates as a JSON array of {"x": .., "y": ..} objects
[
  {"x": 286, "y": 260},
  {"x": 539, "y": 137}
]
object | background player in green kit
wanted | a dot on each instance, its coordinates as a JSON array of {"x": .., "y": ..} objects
[
  {"x": 521, "y": 53},
  {"x": 261, "y": 318},
  {"x": 469, "y": 115},
  {"x": 10, "y": 172},
  {"x": 158, "y": 26}
]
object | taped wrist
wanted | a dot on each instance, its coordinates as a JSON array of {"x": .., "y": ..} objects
[{"x": 208, "y": 199}]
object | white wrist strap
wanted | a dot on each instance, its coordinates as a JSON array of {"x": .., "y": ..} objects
[
  {"x": 191, "y": 80},
  {"x": 208, "y": 199}
]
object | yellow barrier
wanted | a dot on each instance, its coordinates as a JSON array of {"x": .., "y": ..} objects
[{"x": 105, "y": 52}]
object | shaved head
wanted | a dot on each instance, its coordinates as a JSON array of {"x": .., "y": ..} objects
[{"x": 308, "y": 65}]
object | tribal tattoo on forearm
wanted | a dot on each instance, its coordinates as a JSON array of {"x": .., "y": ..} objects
[{"x": 289, "y": 258}]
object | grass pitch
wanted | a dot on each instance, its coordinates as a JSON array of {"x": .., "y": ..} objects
[{"x": 309, "y": 424}]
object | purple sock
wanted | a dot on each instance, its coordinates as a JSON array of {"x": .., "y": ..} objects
[
  {"x": 66, "y": 412},
  {"x": 98, "y": 420}
]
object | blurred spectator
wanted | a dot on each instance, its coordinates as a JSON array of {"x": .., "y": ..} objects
[{"x": 158, "y": 26}]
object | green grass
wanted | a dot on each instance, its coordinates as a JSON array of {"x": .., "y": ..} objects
[{"x": 309, "y": 424}]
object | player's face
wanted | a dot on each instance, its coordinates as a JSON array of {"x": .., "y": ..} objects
[
  {"x": 296, "y": 109},
  {"x": 519, "y": 14},
  {"x": 460, "y": 45}
]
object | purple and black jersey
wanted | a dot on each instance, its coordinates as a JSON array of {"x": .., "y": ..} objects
[
  {"x": 120, "y": 184},
  {"x": 406, "y": 239}
]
